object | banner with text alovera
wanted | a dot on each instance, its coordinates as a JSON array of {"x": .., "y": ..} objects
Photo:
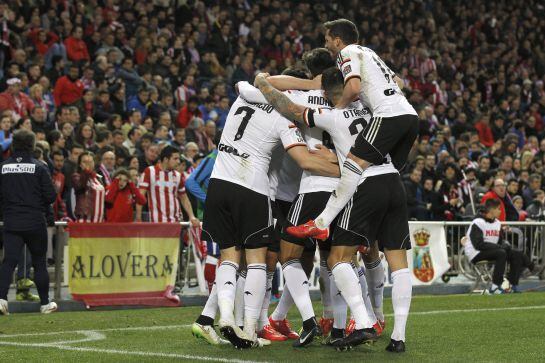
[
  {"x": 428, "y": 258},
  {"x": 123, "y": 263}
]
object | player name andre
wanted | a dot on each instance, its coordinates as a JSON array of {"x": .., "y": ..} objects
[{"x": 121, "y": 266}]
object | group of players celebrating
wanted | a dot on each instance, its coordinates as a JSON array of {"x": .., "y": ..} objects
[{"x": 352, "y": 115}]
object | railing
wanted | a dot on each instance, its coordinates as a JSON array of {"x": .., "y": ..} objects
[{"x": 528, "y": 237}]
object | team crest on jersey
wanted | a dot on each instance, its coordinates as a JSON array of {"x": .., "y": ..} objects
[
  {"x": 422, "y": 264},
  {"x": 347, "y": 70}
]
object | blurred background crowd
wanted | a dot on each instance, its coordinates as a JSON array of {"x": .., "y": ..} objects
[{"x": 117, "y": 81}]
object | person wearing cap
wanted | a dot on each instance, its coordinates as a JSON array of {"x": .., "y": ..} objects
[
  {"x": 27, "y": 192},
  {"x": 15, "y": 100}
]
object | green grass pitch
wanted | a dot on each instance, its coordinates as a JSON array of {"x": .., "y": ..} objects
[{"x": 509, "y": 328}]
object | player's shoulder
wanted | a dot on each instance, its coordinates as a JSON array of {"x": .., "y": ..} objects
[{"x": 479, "y": 222}]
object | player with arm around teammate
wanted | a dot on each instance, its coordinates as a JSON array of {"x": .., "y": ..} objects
[{"x": 376, "y": 212}]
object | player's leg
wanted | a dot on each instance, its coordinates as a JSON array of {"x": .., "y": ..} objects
[
  {"x": 239, "y": 294},
  {"x": 339, "y": 312},
  {"x": 203, "y": 327},
  {"x": 499, "y": 256},
  {"x": 375, "y": 276},
  {"x": 226, "y": 282},
  {"x": 348, "y": 284},
  {"x": 13, "y": 245},
  {"x": 360, "y": 271},
  {"x": 326, "y": 321},
  {"x": 265, "y": 329},
  {"x": 254, "y": 288},
  {"x": 515, "y": 259}
]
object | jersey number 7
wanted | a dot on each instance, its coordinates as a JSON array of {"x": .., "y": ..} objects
[{"x": 249, "y": 112}]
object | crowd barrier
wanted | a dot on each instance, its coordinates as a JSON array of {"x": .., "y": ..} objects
[{"x": 436, "y": 246}]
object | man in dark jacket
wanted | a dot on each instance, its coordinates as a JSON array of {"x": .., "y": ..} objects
[
  {"x": 417, "y": 207},
  {"x": 26, "y": 192}
]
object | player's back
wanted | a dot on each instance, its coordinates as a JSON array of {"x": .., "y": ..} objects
[
  {"x": 379, "y": 89},
  {"x": 250, "y": 134}
]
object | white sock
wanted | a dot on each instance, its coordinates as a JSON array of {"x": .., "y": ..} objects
[
  {"x": 211, "y": 306},
  {"x": 284, "y": 305},
  {"x": 401, "y": 300},
  {"x": 326, "y": 289},
  {"x": 349, "y": 285},
  {"x": 254, "y": 291},
  {"x": 339, "y": 305},
  {"x": 226, "y": 282},
  {"x": 375, "y": 281},
  {"x": 264, "y": 317},
  {"x": 365, "y": 294},
  {"x": 350, "y": 177},
  {"x": 239, "y": 298},
  {"x": 297, "y": 282}
]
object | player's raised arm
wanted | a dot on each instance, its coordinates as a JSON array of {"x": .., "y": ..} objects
[
  {"x": 278, "y": 100},
  {"x": 250, "y": 93},
  {"x": 285, "y": 83},
  {"x": 350, "y": 93}
]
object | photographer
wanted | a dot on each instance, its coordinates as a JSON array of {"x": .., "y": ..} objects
[{"x": 27, "y": 193}]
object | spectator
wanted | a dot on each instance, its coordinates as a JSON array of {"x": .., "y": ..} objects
[
  {"x": 418, "y": 208},
  {"x": 127, "y": 73},
  {"x": 149, "y": 158},
  {"x": 15, "y": 100},
  {"x": 486, "y": 136},
  {"x": 5, "y": 136},
  {"x": 134, "y": 136},
  {"x": 107, "y": 167},
  {"x": 121, "y": 197},
  {"x": 185, "y": 91},
  {"x": 534, "y": 184},
  {"x": 188, "y": 112},
  {"x": 519, "y": 203},
  {"x": 507, "y": 209},
  {"x": 536, "y": 209},
  {"x": 68, "y": 89},
  {"x": 76, "y": 49},
  {"x": 139, "y": 101},
  {"x": 89, "y": 191},
  {"x": 59, "y": 207}
]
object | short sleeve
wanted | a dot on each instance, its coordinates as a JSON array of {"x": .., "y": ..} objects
[
  {"x": 349, "y": 62},
  {"x": 181, "y": 184},
  {"x": 322, "y": 117},
  {"x": 144, "y": 180},
  {"x": 290, "y": 135}
]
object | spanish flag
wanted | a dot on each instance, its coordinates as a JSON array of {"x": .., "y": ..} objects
[{"x": 123, "y": 263}]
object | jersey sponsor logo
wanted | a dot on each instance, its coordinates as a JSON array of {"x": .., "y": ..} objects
[
  {"x": 318, "y": 100},
  {"x": 492, "y": 233},
  {"x": 19, "y": 169},
  {"x": 233, "y": 151},
  {"x": 263, "y": 106},
  {"x": 347, "y": 70}
]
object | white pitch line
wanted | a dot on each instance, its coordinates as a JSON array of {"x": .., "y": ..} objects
[
  {"x": 437, "y": 312},
  {"x": 131, "y": 352},
  {"x": 134, "y": 328}
]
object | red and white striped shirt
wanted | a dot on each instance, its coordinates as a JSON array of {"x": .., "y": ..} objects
[
  {"x": 163, "y": 190},
  {"x": 89, "y": 193}
]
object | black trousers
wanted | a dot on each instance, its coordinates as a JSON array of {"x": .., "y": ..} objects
[
  {"x": 501, "y": 256},
  {"x": 14, "y": 241}
]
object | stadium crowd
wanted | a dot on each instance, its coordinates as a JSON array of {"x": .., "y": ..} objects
[{"x": 106, "y": 85}]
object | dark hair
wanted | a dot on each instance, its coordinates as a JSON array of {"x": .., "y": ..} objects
[
  {"x": 122, "y": 171},
  {"x": 297, "y": 73},
  {"x": 132, "y": 131},
  {"x": 167, "y": 152},
  {"x": 490, "y": 204},
  {"x": 117, "y": 132},
  {"x": 76, "y": 146},
  {"x": 147, "y": 136},
  {"x": 103, "y": 135},
  {"x": 23, "y": 140},
  {"x": 344, "y": 29},
  {"x": 332, "y": 78},
  {"x": 56, "y": 153},
  {"x": 85, "y": 153},
  {"x": 53, "y": 136},
  {"x": 318, "y": 60}
]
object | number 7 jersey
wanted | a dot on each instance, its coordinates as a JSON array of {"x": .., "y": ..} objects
[{"x": 251, "y": 132}]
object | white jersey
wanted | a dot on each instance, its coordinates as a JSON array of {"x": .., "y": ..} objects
[
  {"x": 378, "y": 88},
  {"x": 309, "y": 182},
  {"x": 284, "y": 176},
  {"x": 344, "y": 125},
  {"x": 489, "y": 231},
  {"x": 251, "y": 132}
]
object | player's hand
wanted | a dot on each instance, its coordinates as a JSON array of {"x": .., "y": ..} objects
[
  {"x": 325, "y": 153},
  {"x": 260, "y": 78},
  {"x": 195, "y": 222}
]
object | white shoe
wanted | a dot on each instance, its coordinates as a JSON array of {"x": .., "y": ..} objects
[
  {"x": 208, "y": 333},
  {"x": 260, "y": 342},
  {"x": 49, "y": 308},
  {"x": 4, "y": 307}
]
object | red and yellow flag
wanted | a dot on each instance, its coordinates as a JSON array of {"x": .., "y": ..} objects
[{"x": 123, "y": 263}]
